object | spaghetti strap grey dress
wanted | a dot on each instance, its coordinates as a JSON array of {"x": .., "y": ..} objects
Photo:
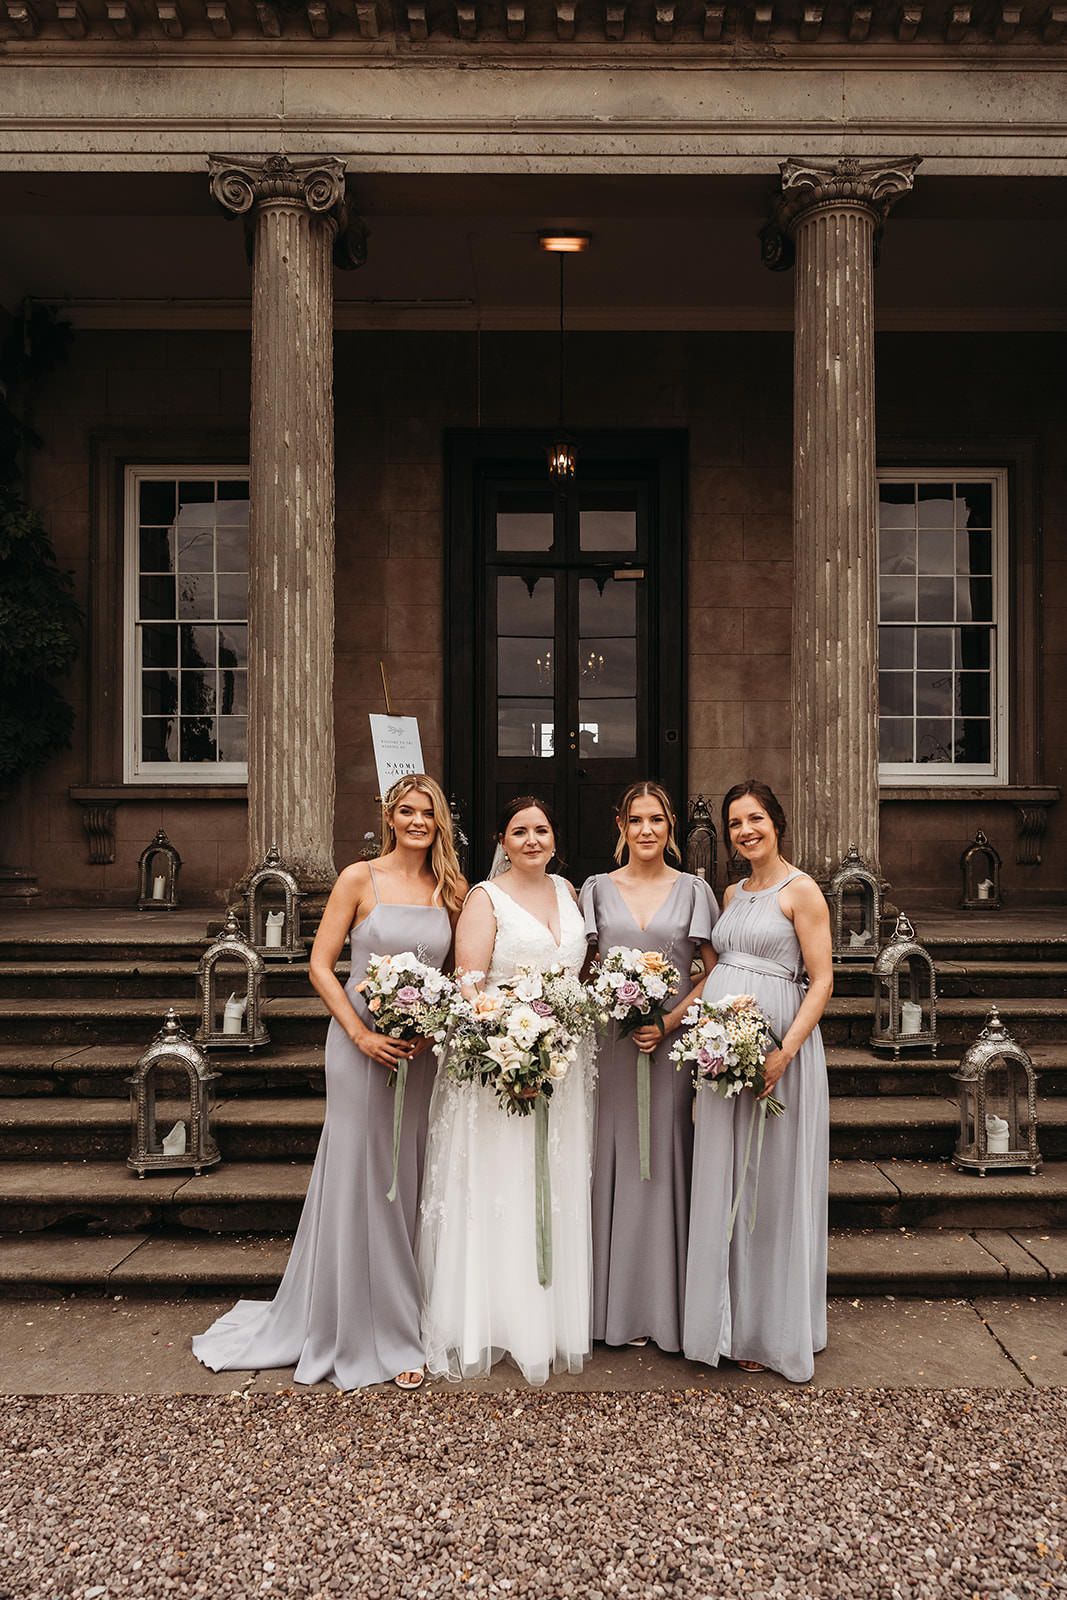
[
  {"x": 347, "y": 1310},
  {"x": 641, "y": 1226},
  {"x": 762, "y": 1295}
]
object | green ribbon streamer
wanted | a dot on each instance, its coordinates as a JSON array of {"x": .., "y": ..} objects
[
  {"x": 542, "y": 1193},
  {"x": 398, "y": 1117},
  {"x": 759, "y": 1112},
  {"x": 644, "y": 1099}
]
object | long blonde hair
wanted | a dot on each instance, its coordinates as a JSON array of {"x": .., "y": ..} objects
[
  {"x": 443, "y": 860},
  {"x": 638, "y": 791}
]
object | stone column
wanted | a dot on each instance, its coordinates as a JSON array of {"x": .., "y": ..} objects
[
  {"x": 827, "y": 221},
  {"x": 295, "y": 217}
]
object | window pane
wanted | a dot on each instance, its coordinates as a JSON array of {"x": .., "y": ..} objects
[
  {"x": 896, "y": 505},
  {"x": 973, "y": 741},
  {"x": 607, "y": 729},
  {"x": 159, "y": 647},
  {"x": 196, "y": 550},
  {"x": 196, "y": 596},
  {"x": 978, "y": 504},
  {"x": 231, "y": 549},
  {"x": 525, "y": 607},
  {"x": 935, "y": 599},
  {"x": 896, "y": 694},
  {"x": 607, "y": 609},
  {"x": 974, "y": 552},
  {"x": 974, "y": 599},
  {"x": 607, "y": 667},
  {"x": 233, "y": 691},
  {"x": 233, "y": 595},
  {"x": 897, "y": 599},
  {"x": 198, "y": 646},
  {"x": 934, "y": 648},
  {"x": 198, "y": 691},
  {"x": 233, "y": 645},
  {"x": 232, "y": 501},
  {"x": 159, "y": 693},
  {"x": 233, "y": 743},
  {"x": 895, "y": 739},
  {"x": 937, "y": 507},
  {"x": 159, "y": 738},
  {"x": 524, "y": 667},
  {"x": 195, "y": 492},
  {"x": 198, "y": 739},
  {"x": 933, "y": 694},
  {"x": 607, "y": 530},
  {"x": 157, "y": 597},
  {"x": 157, "y": 550},
  {"x": 897, "y": 551},
  {"x": 157, "y": 502},
  {"x": 933, "y": 738},
  {"x": 974, "y": 649},
  {"x": 524, "y": 530},
  {"x": 972, "y": 694},
  {"x": 896, "y": 648},
  {"x": 525, "y": 728},
  {"x": 937, "y": 550}
]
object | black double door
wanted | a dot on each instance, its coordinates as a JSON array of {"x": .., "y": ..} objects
[{"x": 566, "y": 641}]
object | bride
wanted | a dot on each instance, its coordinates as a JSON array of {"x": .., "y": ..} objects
[{"x": 476, "y": 1251}]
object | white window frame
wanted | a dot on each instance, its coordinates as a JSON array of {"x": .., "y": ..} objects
[
  {"x": 134, "y": 769},
  {"x": 907, "y": 774}
]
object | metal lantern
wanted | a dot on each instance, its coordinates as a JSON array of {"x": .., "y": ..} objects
[
  {"x": 701, "y": 842},
  {"x": 230, "y": 955},
  {"x": 855, "y": 899},
  {"x": 273, "y": 897},
  {"x": 459, "y": 835},
  {"x": 190, "y": 1144},
  {"x": 905, "y": 993},
  {"x": 998, "y": 1103},
  {"x": 980, "y": 865},
  {"x": 157, "y": 875}
]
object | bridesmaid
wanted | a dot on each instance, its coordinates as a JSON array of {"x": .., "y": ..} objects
[
  {"x": 760, "y": 1298},
  {"x": 640, "y": 1227},
  {"x": 347, "y": 1309}
]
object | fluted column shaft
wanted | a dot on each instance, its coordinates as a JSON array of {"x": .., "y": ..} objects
[
  {"x": 828, "y": 221},
  {"x": 294, "y": 213}
]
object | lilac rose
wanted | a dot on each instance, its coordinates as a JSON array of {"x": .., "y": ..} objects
[
  {"x": 629, "y": 994},
  {"x": 406, "y": 997},
  {"x": 541, "y": 1008},
  {"x": 710, "y": 1065}
]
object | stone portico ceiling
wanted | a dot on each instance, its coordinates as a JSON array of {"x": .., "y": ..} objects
[{"x": 760, "y": 30}]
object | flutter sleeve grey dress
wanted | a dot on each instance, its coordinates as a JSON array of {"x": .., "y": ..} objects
[
  {"x": 761, "y": 1296},
  {"x": 641, "y": 1226},
  {"x": 347, "y": 1310}
]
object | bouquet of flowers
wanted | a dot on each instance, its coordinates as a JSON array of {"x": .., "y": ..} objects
[
  {"x": 408, "y": 1000},
  {"x": 519, "y": 1039},
  {"x": 633, "y": 987},
  {"x": 726, "y": 1042}
]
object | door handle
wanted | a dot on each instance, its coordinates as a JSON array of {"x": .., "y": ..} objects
[{"x": 582, "y": 773}]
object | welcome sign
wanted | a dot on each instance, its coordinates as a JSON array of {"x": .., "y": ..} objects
[{"x": 397, "y": 748}]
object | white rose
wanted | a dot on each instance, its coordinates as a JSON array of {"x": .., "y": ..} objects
[{"x": 526, "y": 1027}]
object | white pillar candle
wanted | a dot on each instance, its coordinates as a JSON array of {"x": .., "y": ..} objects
[
  {"x": 911, "y": 1017},
  {"x": 985, "y": 888},
  {"x": 996, "y": 1136},
  {"x": 158, "y": 888},
  {"x": 702, "y": 872},
  {"x": 275, "y": 920},
  {"x": 859, "y": 939},
  {"x": 233, "y": 1015},
  {"x": 175, "y": 1142}
]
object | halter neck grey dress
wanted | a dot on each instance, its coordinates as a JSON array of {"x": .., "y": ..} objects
[
  {"x": 641, "y": 1226},
  {"x": 347, "y": 1309},
  {"x": 762, "y": 1296}
]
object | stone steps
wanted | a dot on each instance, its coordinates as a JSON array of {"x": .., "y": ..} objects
[
  {"x": 990, "y": 980},
  {"x": 146, "y": 977},
  {"x": 898, "y": 1262}
]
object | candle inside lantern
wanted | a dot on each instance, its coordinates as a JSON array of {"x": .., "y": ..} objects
[
  {"x": 275, "y": 922},
  {"x": 159, "y": 887},
  {"x": 985, "y": 889},
  {"x": 859, "y": 939},
  {"x": 996, "y": 1136},
  {"x": 702, "y": 872},
  {"x": 174, "y": 1143},
  {"x": 233, "y": 1014},
  {"x": 911, "y": 1017}
]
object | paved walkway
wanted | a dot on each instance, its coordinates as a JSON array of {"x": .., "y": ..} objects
[{"x": 129, "y": 1346}]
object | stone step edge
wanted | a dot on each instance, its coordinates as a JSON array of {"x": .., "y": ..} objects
[{"x": 869, "y": 1261}]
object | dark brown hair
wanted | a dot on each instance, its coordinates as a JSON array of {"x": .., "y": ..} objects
[
  {"x": 638, "y": 791},
  {"x": 766, "y": 797},
  {"x": 523, "y": 802}
]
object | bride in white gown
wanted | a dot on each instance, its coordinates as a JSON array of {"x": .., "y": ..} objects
[{"x": 476, "y": 1250}]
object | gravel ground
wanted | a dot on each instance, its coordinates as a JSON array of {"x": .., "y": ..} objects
[{"x": 895, "y": 1494}]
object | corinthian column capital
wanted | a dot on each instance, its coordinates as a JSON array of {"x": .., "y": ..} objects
[
  {"x": 314, "y": 184},
  {"x": 842, "y": 184}
]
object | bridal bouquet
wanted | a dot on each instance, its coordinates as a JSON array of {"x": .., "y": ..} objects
[
  {"x": 726, "y": 1042},
  {"x": 633, "y": 987},
  {"x": 519, "y": 1039},
  {"x": 408, "y": 1000}
]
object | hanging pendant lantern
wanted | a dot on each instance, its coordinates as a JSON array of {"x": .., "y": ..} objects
[{"x": 562, "y": 452}]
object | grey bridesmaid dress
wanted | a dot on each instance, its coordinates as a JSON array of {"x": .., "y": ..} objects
[
  {"x": 347, "y": 1310},
  {"x": 641, "y": 1226},
  {"x": 762, "y": 1295}
]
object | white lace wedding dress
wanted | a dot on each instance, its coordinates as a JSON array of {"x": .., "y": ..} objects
[{"x": 476, "y": 1250}]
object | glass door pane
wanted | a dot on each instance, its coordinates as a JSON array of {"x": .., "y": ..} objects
[{"x": 525, "y": 667}]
